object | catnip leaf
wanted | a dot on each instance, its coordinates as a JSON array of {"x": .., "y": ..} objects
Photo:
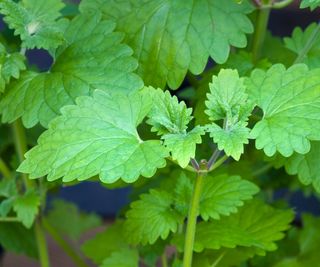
[
  {"x": 10, "y": 66},
  {"x": 183, "y": 145},
  {"x": 27, "y": 207},
  {"x": 170, "y": 37},
  {"x": 312, "y": 4},
  {"x": 306, "y": 166},
  {"x": 170, "y": 118},
  {"x": 98, "y": 136},
  {"x": 105, "y": 243},
  {"x": 290, "y": 101},
  {"x": 151, "y": 217},
  {"x": 223, "y": 195},
  {"x": 93, "y": 57},
  {"x": 125, "y": 257},
  {"x": 8, "y": 188},
  {"x": 6, "y": 206},
  {"x": 228, "y": 101},
  {"x": 167, "y": 114},
  {"x": 299, "y": 40},
  {"x": 256, "y": 225},
  {"x": 36, "y": 21},
  {"x": 18, "y": 239},
  {"x": 69, "y": 221}
]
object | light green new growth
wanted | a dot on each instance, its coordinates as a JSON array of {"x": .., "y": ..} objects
[
  {"x": 290, "y": 101},
  {"x": 98, "y": 136},
  {"x": 170, "y": 118},
  {"x": 93, "y": 57},
  {"x": 170, "y": 37},
  {"x": 151, "y": 217},
  {"x": 228, "y": 101},
  {"x": 36, "y": 21}
]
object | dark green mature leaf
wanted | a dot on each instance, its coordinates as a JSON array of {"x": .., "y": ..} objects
[
  {"x": 256, "y": 225},
  {"x": 69, "y": 221},
  {"x": 105, "y": 243},
  {"x": 36, "y": 21},
  {"x": 170, "y": 118},
  {"x": 27, "y": 207},
  {"x": 223, "y": 194},
  {"x": 97, "y": 136},
  {"x": 299, "y": 41},
  {"x": 93, "y": 57},
  {"x": 312, "y": 4},
  {"x": 16, "y": 238},
  {"x": 151, "y": 217},
  {"x": 290, "y": 101},
  {"x": 171, "y": 36},
  {"x": 228, "y": 101},
  {"x": 123, "y": 258},
  {"x": 10, "y": 66}
]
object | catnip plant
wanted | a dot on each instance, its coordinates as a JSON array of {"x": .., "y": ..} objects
[{"x": 191, "y": 103}]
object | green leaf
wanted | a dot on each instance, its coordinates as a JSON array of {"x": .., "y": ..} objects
[
  {"x": 16, "y": 238},
  {"x": 6, "y": 206},
  {"x": 10, "y": 66},
  {"x": 306, "y": 166},
  {"x": 105, "y": 243},
  {"x": 228, "y": 101},
  {"x": 312, "y": 4},
  {"x": 27, "y": 207},
  {"x": 93, "y": 57},
  {"x": 256, "y": 225},
  {"x": 170, "y": 37},
  {"x": 223, "y": 194},
  {"x": 8, "y": 188},
  {"x": 151, "y": 217},
  {"x": 36, "y": 21},
  {"x": 290, "y": 101},
  {"x": 97, "y": 136},
  {"x": 69, "y": 221},
  {"x": 183, "y": 145},
  {"x": 299, "y": 41},
  {"x": 167, "y": 114},
  {"x": 170, "y": 118},
  {"x": 123, "y": 258}
]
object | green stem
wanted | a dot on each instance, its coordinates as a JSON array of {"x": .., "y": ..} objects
[
  {"x": 67, "y": 248},
  {"x": 192, "y": 221},
  {"x": 218, "y": 260},
  {"x": 188, "y": 168},
  {"x": 9, "y": 219},
  {"x": 260, "y": 32},
  {"x": 218, "y": 163},
  {"x": 20, "y": 142},
  {"x": 164, "y": 262},
  {"x": 312, "y": 39},
  {"x": 262, "y": 170},
  {"x": 4, "y": 169},
  {"x": 42, "y": 245},
  {"x": 282, "y": 4}
]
